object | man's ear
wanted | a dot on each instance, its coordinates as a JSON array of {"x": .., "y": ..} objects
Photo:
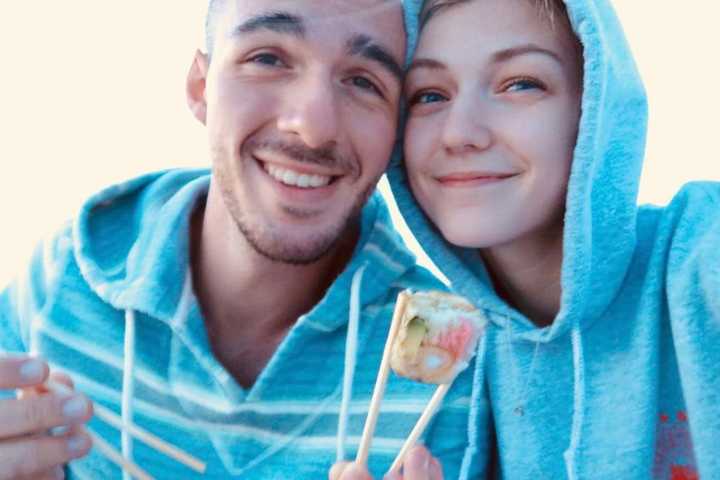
[{"x": 195, "y": 87}]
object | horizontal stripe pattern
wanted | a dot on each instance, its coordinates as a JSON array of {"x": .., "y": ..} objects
[{"x": 286, "y": 425}]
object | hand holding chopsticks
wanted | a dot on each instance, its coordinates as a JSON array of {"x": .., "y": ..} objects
[
  {"x": 418, "y": 464},
  {"x": 150, "y": 439},
  {"x": 27, "y": 449}
]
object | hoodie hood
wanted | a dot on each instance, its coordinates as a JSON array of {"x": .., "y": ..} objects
[
  {"x": 122, "y": 250},
  {"x": 601, "y": 208}
]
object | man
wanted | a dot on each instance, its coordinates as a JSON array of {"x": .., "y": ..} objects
[{"x": 213, "y": 309}]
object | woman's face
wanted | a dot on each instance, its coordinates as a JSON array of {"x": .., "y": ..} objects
[{"x": 494, "y": 97}]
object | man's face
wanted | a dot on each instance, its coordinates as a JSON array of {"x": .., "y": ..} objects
[{"x": 301, "y": 109}]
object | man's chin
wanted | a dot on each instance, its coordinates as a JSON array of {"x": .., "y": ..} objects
[
  {"x": 293, "y": 254},
  {"x": 292, "y": 248},
  {"x": 303, "y": 236}
]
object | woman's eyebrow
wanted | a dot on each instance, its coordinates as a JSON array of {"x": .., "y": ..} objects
[
  {"x": 530, "y": 48},
  {"x": 427, "y": 63}
]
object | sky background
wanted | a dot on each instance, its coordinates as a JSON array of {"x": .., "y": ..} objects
[{"x": 92, "y": 93}]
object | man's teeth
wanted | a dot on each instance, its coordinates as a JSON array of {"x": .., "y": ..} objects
[{"x": 295, "y": 179}]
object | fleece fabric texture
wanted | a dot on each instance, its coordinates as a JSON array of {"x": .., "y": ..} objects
[
  {"x": 110, "y": 301},
  {"x": 626, "y": 381}
]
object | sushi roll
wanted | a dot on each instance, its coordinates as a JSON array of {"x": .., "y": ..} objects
[{"x": 437, "y": 337}]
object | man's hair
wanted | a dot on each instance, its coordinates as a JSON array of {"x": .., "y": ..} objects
[
  {"x": 549, "y": 9},
  {"x": 214, "y": 11}
]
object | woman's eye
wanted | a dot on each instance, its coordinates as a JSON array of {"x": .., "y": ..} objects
[
  {"x": 267, "y": 59},
  {"x": 365, "y": 84},
  {"x": 427, "y": 97},
  {"x": 523, "y": 85}
]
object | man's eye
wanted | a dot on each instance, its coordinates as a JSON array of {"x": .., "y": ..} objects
[
  {"x": 267, "y": 59},
  {"x": 427, "y": 97},
  {"x": 365, "y": 84}
]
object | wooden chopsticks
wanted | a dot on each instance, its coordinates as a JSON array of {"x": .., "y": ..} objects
[{"x": 146, "y": 437}]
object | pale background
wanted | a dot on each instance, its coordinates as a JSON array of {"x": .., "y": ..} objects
[{"x": 92, "y": 93}]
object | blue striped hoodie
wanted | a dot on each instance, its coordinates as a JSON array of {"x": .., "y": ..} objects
[
  {"x": 625, "y": 383},
  {"x": 109, "y": 300}
]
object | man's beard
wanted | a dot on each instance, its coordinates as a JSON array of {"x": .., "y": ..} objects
[
  {"x": 273, "y": 246},
  {"x": 271, "y": 243}
]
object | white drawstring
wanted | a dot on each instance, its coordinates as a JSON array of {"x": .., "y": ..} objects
[
  {"x": 350, "y": 361},
  {"x": 128, "y": 387},
  {"x": 570, "y": 454},
  {"x": 477, "y": 387}
]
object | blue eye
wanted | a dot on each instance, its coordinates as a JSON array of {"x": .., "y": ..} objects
[
  {"x": 428, "y": 97},
  {"x": 524, "y": 84}
]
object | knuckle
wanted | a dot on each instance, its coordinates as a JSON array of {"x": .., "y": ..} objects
[
  {"x": 36, "y": 413},
  {"x": 50, "y": 452}
]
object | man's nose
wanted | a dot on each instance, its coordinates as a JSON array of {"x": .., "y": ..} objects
[{"x": 311, "y": 112}]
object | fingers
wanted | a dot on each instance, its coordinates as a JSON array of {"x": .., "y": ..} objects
[
  {"x": 436, "y": 472},
  {"x": 418, "y": 465},
  {"x": 38, "y": 413},
  {"x": 337, "y": 470},
  {"x": 39, "y": 456},
  {"x": 63, "y": 378},
  {"x": 349, "y": 471},
  {"x": 57, "y": 473},
  {"x": 21, "y": 371},
  {"x": 55, "y": 377}
]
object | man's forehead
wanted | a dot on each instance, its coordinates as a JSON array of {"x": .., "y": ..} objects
[
  {"x": 317, "y": 8},
  {"x": 381, "y": 19}
]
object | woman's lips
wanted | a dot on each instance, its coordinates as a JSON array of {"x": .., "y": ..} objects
[{"x": 467, "y": 179}]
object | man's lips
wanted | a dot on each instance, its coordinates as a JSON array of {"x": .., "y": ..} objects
[
  {"x": 473, "y": 178},
  {"x": 298, "y": 175}
]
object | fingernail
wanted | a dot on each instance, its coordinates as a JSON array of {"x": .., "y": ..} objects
[
  {"x": 75, "y": 408},
  {"x": 32, "y": 371},
  {"x": 425, "y": 461},
  {"x": 77, "y": 444},
  {"x": 59, "y": 431},
  {"x": 59, "y": 473}
]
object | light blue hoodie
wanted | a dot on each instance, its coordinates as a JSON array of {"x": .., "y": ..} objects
[
  {"x": 110, "y": 301},
  {"x": 625, "y": 384}
]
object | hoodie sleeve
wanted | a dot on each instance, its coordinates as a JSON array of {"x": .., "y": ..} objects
[
  {"x": 26, "y": 296},
  {"x": 693, "y": 292}
]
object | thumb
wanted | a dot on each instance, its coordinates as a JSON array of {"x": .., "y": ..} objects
[{"x": 349, "y": 471}]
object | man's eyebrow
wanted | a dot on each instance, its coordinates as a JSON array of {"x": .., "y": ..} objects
[
  {"x": 508, "y": 53},
  {"x": 364, "y": 46},
  {"x": 280, "y": 22},
  {"x": 427, "y": 63}
]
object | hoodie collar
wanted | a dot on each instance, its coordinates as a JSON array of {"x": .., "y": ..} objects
[{"x": 132, "y": 247}]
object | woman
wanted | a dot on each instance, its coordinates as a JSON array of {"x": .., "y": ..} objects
[
  {"x": 523, "y": 147},
  {"x": 525, "y": 155}
]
